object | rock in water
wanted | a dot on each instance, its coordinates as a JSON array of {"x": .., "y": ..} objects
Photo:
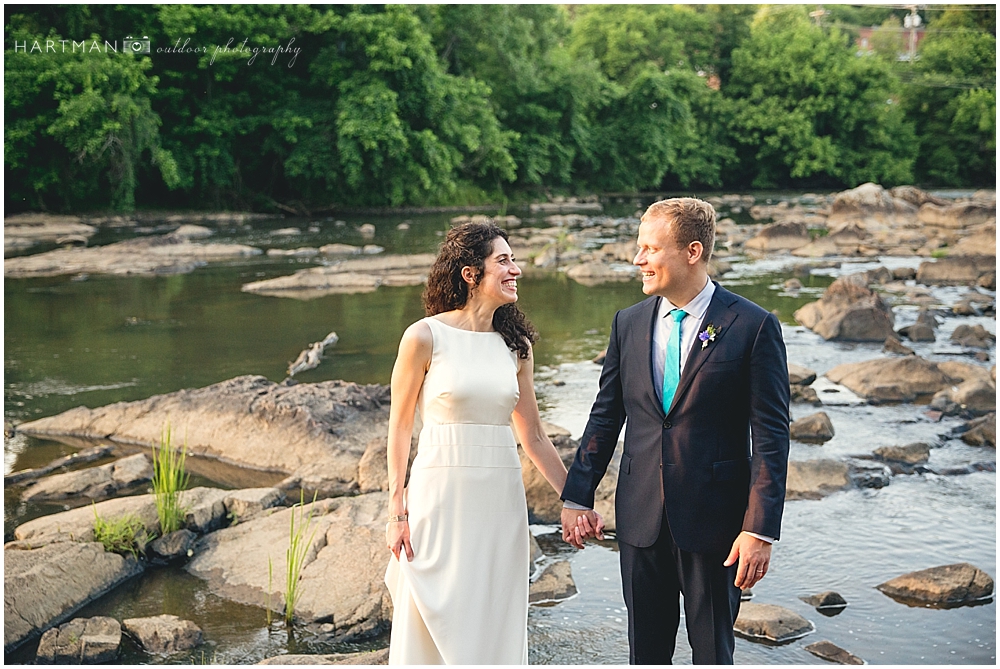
[
  {"x": 814, "y": 479},
  {"x": 805, "y": 394},
  {"x": 891, "y": 379},
  {"x": 892, "y": 345},
  {"x": 982, "y": 431},
  {"x": 46, "y": 584},
  {"x": 94, "y": 482},
  {"x": 825, "y": 600},
  {"x": 368, "y": 657},
  {"x": 974, "y": 396},
  {"x": 799, "y": 375},
  {"x": 555, "y": 583},
  {"x": 955, "y": 271},
  {"x": 163, "y": 634},
  {"x": 81, "y": 641},
  {"x": 173, "y": 546},
  {"x": 848, "y": 311},
  {"x": 832, "y": 653},
  {"x": 815, "y": 428},
  {"x": 949, "y": 585},
  {"x": 973, "y": 336},
  {"x": 771, "y": 622},
  {"x": 910, "y": 454}
]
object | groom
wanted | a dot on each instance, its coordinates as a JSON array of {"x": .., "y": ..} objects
[{"x": 701, "y": 376}]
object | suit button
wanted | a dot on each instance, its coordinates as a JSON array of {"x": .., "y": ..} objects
[{"x": 667, "y": 424}]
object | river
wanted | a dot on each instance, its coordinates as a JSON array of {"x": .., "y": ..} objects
[{"x": 108, "y": 339}]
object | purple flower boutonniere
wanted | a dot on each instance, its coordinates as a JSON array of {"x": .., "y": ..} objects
[{"x": 708, "y": 335}]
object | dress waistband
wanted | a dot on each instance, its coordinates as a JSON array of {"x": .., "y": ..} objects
[{"x": 467, "y": 445}]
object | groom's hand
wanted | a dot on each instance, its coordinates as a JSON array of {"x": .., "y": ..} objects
[
  {"x": 579, "y": 525},
  {"x": 755, "y": 557}
]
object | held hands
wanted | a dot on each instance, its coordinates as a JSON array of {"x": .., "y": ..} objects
[
  {"x": 754, "y": 555},
  {"x": 580, "y": 525},
  {"x": 397, "y": 537}
]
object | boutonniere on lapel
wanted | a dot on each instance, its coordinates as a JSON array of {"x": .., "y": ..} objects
[{"x": 707, "y": 336}]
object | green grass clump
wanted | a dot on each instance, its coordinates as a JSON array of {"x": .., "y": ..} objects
[
  {"x": 298, "y": 547},
  {"x": 170, "y": 478},
  {"x": 124, "y": 534}
]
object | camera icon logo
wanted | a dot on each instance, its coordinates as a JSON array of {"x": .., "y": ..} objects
[{"x": 136, "y": 46}]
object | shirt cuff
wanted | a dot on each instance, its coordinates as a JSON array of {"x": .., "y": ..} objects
[
  {"x": 576, "y": 507},
  {"x": 769, "y": 540}
]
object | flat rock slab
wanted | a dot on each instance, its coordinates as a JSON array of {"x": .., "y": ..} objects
[
  {"x": 833, "y": 653},
  {"x": 207, "y": 509},
  {"x": 240, "y": 421},
  {"x": 815, "y": 479},
  {"x": 167, "y": 254},
  {"x": 956, "y": 271},
  {"x": 814, "y": 428},
  {"x": 356, "y": 275},
  {"x": 342, "y": 577},
  {"x": 163, "y": 634},
  {"x": 94, "y": 482},
  {"x": 555, "y": 583},
  {"x": 373, "y": 657},
  {"x": 81, "y": 641},
  {"x": 891, "y": 379},
  {"x": 945, "y": 586},
  {"x": 910, "y": 454},
  {"x": 771, "y": 622},
  {"x": 44, "y": 586}
]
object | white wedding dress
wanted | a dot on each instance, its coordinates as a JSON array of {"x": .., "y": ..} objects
[{"x": 464, "y": 597}]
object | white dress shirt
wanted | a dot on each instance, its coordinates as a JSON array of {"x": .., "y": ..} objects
[{"x": 690, "y": 327}]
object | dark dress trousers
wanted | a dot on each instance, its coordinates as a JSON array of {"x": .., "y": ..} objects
[{"x": 689, "y": 480}]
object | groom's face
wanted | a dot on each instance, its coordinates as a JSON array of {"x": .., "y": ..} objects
[{"x": 664, "y": 267}]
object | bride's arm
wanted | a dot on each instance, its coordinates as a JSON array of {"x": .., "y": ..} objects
[
  {"x": 415, "y": 349},
  {"x": 531, "y": 434}
]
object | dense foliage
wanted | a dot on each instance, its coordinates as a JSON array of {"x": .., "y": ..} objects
[{"x": 308, "y": 107}]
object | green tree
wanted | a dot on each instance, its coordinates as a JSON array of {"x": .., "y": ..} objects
[
  {"x": 808, "y": 110},
  {"x": 950, "y": 94},
  {"x": 79, "y": 124}
]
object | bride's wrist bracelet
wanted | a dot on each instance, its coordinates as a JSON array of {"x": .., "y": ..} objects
[{"x": 398, "y": 519}]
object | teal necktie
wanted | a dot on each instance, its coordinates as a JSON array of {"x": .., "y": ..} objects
[{"x": 672, "y": 363}]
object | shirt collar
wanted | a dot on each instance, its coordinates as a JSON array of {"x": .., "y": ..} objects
[{"x": 696, "y": 307}]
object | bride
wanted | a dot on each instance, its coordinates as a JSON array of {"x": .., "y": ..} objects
[{"x": 458, "y": 530}]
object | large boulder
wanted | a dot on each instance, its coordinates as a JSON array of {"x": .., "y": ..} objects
[
  {"x": 553, "y": 584},
  {"x": 814, "y": 428},
  {"x": 974, "y": 396},
  {"x": 94, "y": 482},
  {"x": 982, "y": 431},
  {"x": 870, "y": 202},
  {"x": 163, "y": 634},
  {"x": 956, "y": 216},
  {"x": 771, "y": 622},
  {"x": 783, "y": 236},
  {"x": 848, "y": 311},
  {"x": 973, "y": 336},
  {"x": 356, "y": 275},
  {"x": 955, "y": 271},
  {"x": 81, "y": 641},
  {"x": 910, "y": 454},
  {"x": 342, "y": 576},
  {"x": 949, "y": 585},
  {"x": 891, "y": 379},
  {"x": 815, "y": 479},
  {"x": 324, "y": 426},
  {"x": 44, "y": 586}
]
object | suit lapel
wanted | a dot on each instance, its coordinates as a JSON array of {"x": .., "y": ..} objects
[
  {"x": 648, "y": 317},
  {"x": 721, "y": 317}
]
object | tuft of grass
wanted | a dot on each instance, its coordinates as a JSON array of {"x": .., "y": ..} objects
[
  {"x": 170, "y": 478},
  {"x": 939, "y": 253},
  {"x": 298, "y": 547},
  {"x": 124, "y": 534},
  {"x": 270, "y": 574}
]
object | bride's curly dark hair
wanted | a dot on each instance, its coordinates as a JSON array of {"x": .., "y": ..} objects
[{"x": 468, "y": 245}]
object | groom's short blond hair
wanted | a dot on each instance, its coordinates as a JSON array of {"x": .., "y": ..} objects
[{"x": 693, "y": 221}]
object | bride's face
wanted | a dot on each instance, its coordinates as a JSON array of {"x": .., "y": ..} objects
[{"x": 500, "y": 272}]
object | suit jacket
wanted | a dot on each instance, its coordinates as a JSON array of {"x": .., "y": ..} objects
[{"x": 696, "y": 460}]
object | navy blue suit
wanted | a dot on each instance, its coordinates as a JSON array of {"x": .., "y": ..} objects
[{"x": 689, "y": 480}]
